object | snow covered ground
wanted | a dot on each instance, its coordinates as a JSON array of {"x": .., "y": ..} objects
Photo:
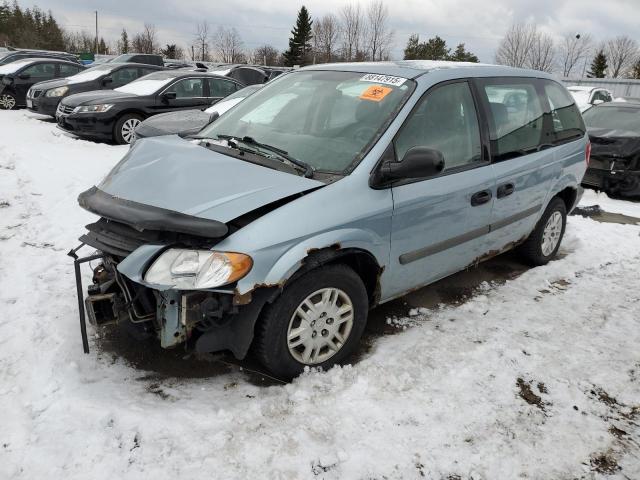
[{"x": 535, "y": 378}]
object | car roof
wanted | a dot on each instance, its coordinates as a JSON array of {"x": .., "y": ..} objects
[
  {"x": 416, "y": 68},
  {"x": 618, "y": 104},
  {"x": 582, "y": 88}
]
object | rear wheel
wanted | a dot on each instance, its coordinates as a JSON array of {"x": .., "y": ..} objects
[
  {"x": 544, "y": 242},
  {"x": 317, "y": 321},
  {"x": 124, "y": 129},
  {"x": 7, "y": 101}
]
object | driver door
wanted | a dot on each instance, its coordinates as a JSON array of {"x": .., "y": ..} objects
[
  {"x": 189, "y": 94},
  {"x": 439, "y": 224}
]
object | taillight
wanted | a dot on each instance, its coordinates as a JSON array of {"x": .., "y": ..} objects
[{"x": 587, "y": 153}]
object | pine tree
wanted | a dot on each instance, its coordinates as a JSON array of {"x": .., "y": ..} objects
[
  {"x": 462, "y": 55},
  {"x": 598, "y": 66},
  {"x": 123, "y": 43},
  {"x": 412, "y": 50},
  {"x": 300, "y": 40},
  {"x": 102, "y": 46},
  {"x": 635, "y": 71}
]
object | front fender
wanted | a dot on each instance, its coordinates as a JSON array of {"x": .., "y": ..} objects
[{"x": 293, "y": 257}]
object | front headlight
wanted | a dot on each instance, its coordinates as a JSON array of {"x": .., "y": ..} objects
[
  {"x": 56, "y": 92},
  {"x": 93, "y": 108},
  {"x": 197, "y": 269}
]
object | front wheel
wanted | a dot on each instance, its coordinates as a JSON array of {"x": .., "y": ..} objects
[
  {"x": 124, "y": 129},
  {"x": 544, "y": 242},
  {"x": 317, "y": 322},
  {"x": 7, "y": 101}
]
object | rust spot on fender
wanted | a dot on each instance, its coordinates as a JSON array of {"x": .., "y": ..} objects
[
  {"x": 493, "y": 253},
  {"x": 245, "y": 298}
]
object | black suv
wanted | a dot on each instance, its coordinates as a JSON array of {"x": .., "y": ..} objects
[
  {"x": 44, "y": 97},
  {"x": 113, "y": 115},
  {"x": 16, "y": 78},
  {"x": 13, "y": 55}
]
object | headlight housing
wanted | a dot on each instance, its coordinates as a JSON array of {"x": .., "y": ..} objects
[
  {"x": 103, "y": 107},
  {"x": 56, "y": 92},
  {"x": 186, "y": 269}
]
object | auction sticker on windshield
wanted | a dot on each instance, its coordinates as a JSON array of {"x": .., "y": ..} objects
[
  {"x": 375, "y": 93},
  {"x": 386, "y": 79}
]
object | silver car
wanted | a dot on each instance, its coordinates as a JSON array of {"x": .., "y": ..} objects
[{"x": 329, "y": 191}]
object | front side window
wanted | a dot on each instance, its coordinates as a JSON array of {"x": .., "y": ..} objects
[
  {"x": 566, "y": 119},
  {"x": 124, "y": 75},
  {"x": 328, "y": 119},
  {"x": 517, "y": 117},
  {"x": 188, "y": 88},
  {"x": 444, "y": 120},
  {"x": 68, "y": 70},
  {"x": 41, "y": 70}
]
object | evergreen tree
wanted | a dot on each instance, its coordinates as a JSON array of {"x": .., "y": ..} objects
[
  {"x": 436, "y": 49},
  {"x": 462, "y": 55},
  {"x": 102, "y": 46},
  {"x": 300, "y": 41},
  {"x": 412, "y": 50},
  {"x": 123, "y": 43},
  {"x": 635, "y": 71},
  {"x": 170, "y": 51},
  {"x": 598, "y": 66}
]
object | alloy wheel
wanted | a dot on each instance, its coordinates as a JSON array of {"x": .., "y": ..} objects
[
  {"x": 551, "y": 233},
  {"x": 320, "y": 326},
  {"x": 128, "y": 129},
  {"x": 7, "y": 102}
]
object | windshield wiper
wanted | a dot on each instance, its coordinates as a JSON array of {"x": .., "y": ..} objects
[{"x": 308, "y": 169}]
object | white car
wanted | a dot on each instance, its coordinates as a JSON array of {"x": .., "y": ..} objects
[{"x": 587, "y": 97}]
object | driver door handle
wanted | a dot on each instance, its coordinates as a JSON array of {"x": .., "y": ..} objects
[{"x": 480, "y": 198}]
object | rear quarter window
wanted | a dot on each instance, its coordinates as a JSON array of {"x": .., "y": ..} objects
[{"x": 567, "y": 123}]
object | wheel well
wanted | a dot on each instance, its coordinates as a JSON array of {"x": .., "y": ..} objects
[
  {"x": 361, "y": 261},
  {"x": 568, "y": 196}
]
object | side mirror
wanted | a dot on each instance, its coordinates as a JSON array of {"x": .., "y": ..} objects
[
  {"x": 597, "y": 102},
  {"x": 213, "y": 117},
  {"x": 418, "y": 162},
  {"x": 169, "y": 95},
  {"x": 24, "y": 76},
  {"x": 107, "y": 79}
]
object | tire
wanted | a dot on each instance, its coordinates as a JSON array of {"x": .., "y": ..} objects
[
  {"x": 124, "y": 124},
  {"x": 8, "y": 101},
  {"x": 341, "y": 285},
  {"x": 554, "y": 220}
]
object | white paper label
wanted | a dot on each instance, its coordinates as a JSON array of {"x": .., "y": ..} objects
[{"x": 386, "y": 79}]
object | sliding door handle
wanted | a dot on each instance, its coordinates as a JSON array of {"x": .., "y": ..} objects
[
  {"x": 505, "y": 190},
  {"x": 480, "y": 198}
]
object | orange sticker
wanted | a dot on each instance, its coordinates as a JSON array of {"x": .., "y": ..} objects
[{"x": 375, "y": 93}]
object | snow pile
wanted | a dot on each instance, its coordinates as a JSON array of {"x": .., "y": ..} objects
[{"x": 536, "y": 378}]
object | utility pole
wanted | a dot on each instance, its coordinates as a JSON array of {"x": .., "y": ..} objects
[{"x": 96, "y": 31}]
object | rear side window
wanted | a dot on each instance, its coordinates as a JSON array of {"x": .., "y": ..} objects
[
  {"x": 566, "y": 122},
  {"x": 517, "y": 117},
  {"x": 220, "y": 88},
  {"x": 68, "y": 70}
]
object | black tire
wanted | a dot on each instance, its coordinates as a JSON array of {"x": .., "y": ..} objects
[
  {"x": 531, "y": 249},
  {"x": 8, "y": 101},
  {"x": 117, "y": 128},
  {"x": 271, "y": 345}
]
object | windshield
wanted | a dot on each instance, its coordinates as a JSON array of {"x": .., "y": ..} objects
[
  {"x": 90, "y": 74},
  {"x": 614, "y": 118},
  {"x": 327, "y": 119},
  {"x": 148, "y": 84}
]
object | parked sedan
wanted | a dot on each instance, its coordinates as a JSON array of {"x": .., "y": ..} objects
[
  {"x": 190, "y": 122},
  {"x": 614, "y": 130},
  {"x": 19, "y": 76},
  {"x": 44, "y": 97},
  {"x": 113, "y": 115},
  {"x": 587, "y": 97}
]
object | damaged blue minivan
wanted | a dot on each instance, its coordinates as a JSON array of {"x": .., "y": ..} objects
[{"x": 331, "y": 190}]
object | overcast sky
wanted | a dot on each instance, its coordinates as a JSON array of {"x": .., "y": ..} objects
[{"x": 478, "y": 23}]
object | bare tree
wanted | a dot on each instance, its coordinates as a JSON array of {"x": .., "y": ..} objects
[
  {"x": 265, "y": 55},
  {"x": 622, "y": 54},
  {"x": 326, "y": 32},
  {"x": 228, "y": 45},
  {"x": 514, "y": 48},
  {"x": 542, "y": 53},
  {"x": 202, "y": 40},
  {"x": 145, "y": 41},
  {"x": 352, "y": 24},
  {"x": 574, "y": 51},
  {"x": 378, "y": 35}
]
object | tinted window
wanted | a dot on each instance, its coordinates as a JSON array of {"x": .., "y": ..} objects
[
  {"x": 124, "y": 75},
  {"x": 444, "y": 120},
  {"x": 567, "y": 121},
  {"x": 188, "y": 88},
  {"x": 68, "y": 70},
  {"x": 517, "y": 117},
  {"x": 41, "y": 70},
  {"x": 220, "y": 88}
]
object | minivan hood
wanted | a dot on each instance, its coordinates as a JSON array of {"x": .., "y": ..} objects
[
  {"x": 96, "y": 96},
  {"x": 173, "y": 122},
  {"x": 178, "y": 175}
]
